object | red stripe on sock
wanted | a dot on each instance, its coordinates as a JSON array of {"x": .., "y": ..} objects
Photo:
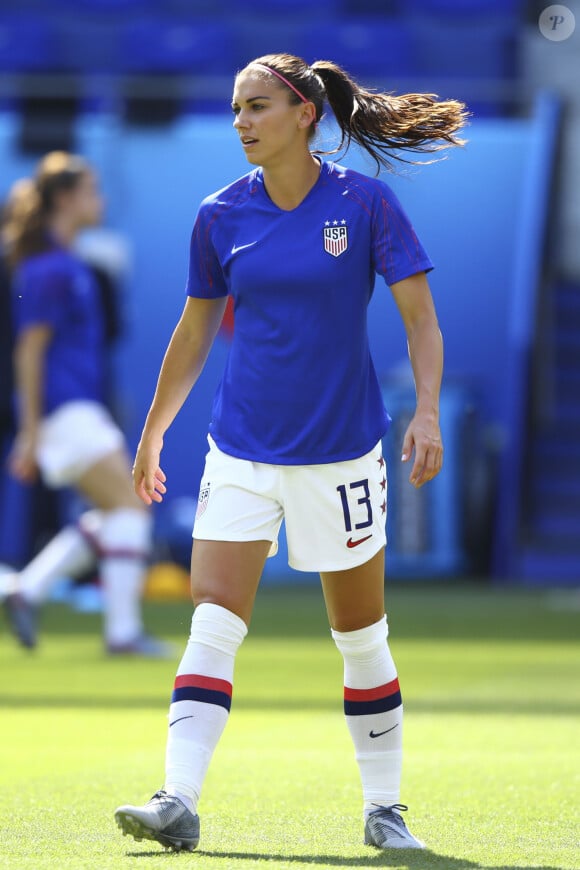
[
  {"x": 372, "y": 694},
  {"x": 92, "y": 540},
  {"x": 199, "y": 682}
]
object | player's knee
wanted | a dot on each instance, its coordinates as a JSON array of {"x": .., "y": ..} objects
[
  {"x": 126, "y": 531},
  {"x": 362, "y": 643}
]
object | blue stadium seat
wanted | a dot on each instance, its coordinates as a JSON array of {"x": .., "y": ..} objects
[
  {"x": 290, "y": 8},
  {"x": 116, "y": 6},
  {"x": 175, "y": 45},
  {"x": 476, "y": 64},
  {"x": 387, "y": 8},
  {"x": 27, "y": 43},
  {"x": 87, "y": 46},
  {"x": 255, "y": 37},
  {"x": 209, "y": 8},
  {"x": 460, "y": 50},
  {"x": 464, "y": 8},
  {"x": 373, "y": 47}
]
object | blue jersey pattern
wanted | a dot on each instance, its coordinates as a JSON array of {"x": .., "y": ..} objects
[
  {"x": 299, "y": 386},
  {"x": 56, "y": 289}
]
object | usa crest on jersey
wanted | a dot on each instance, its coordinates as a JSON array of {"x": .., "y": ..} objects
[{"x": 335, "y": 239}]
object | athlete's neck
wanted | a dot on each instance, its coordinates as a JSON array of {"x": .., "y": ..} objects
[
  {"x": 63, "y": 230},
  {"x": 288, "y": 185}
]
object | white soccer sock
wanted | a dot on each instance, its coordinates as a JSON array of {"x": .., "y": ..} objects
[
  {"x": 201, "y": 699},
  {"x": 69, "y": 554},
  {"x": 373, "y": 711},
  {"x": 125, "y": 544}
]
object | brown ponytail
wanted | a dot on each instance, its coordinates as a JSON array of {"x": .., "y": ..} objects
[
  {"x": 31, "y": 201},
  {"x": 383, "y": 124},
  {"x": 23, "y": 229}
]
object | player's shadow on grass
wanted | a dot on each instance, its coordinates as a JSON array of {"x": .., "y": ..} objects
[{"x": 405, "y": 859}]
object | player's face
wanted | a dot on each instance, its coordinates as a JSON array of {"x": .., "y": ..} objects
[
  {"x": 86, "y": 202},
  {"x": 270, "y": 127}
]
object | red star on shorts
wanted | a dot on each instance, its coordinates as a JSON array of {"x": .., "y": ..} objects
[
  {"x": 383, "y": 483},
  {"x": 384, "y": 507},
  {"x": 381, "y": 462}
]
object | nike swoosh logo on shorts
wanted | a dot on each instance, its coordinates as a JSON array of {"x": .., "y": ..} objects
[
  {"x": 380, "y": 733},
  {"x": 237, "y": 248},
  {"x": 350, "y": 543}
]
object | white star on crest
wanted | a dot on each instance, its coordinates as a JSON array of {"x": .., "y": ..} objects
[{"x": 334, "y": 223}]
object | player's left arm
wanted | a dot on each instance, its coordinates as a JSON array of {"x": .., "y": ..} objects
[{"x": 425, "y": 344}]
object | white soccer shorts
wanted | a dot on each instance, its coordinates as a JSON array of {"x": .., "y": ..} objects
[
  {"x": 72, "y": 439},
  {"x": 335, "y": 513}
]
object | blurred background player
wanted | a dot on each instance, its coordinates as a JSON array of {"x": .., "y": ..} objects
[
  {"x": 298, "y": 417},
  {"x": 64, "y": 428},
  {"x": 30, "y": 514}
]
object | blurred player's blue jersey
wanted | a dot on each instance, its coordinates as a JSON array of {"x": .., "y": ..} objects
[
  {"x": 56, "y": 289},
  {"x": 300, "y": 387}
]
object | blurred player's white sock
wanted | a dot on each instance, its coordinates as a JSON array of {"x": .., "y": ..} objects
[
  {"x": 373, "y": 711},
  {"x": 69, "y": 554},
  {"x": 201, "y": 699},
  {"x": 125, "y": 544}
]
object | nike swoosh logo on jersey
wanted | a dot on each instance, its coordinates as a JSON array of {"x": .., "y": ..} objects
[
  {"x": 237, "y": 248},
  {"x": 380, "y": 733},
  {"x": 350, "y": 543}
]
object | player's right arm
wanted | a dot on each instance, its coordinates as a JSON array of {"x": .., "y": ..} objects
[
  {"x": 29, "y": 356},
  {"x": 182, "y": 365}
]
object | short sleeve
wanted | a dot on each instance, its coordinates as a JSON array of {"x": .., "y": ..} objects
[
  {"x": 397, "y": 252},
  {"x": 40, "y": 296},
  {"x": 205, "y": 278}
]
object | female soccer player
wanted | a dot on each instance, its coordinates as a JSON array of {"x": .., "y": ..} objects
[
  {"x": 298, "y": 417},
  {"x": 64, "y": 428}
]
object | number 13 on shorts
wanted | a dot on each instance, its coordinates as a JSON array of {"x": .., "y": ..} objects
[
  {"x": 362, "y": 501},
  {"x": 359, "y": 492}
]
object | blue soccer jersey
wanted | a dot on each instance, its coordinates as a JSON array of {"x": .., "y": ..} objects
[
  {"x": 57, "y": 290},
  {"x": 299, "y": 386}
]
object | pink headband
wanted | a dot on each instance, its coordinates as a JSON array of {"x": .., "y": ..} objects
[{"x": 282, "y": 79}]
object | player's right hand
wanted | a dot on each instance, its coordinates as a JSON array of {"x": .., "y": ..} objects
[{"x": 22, "y": 458}]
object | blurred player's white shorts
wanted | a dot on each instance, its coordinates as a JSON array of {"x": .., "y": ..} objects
[
  {"x": 335, "y": 513},
  {"x": 72, "y": 439}
]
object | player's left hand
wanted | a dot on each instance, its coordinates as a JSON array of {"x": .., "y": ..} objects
[{"x": 424, "y": 437}]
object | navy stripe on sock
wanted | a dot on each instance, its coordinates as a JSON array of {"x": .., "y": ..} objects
[
  {"x": 207, "y": 696},
  {"x": 379, "y": 705}
]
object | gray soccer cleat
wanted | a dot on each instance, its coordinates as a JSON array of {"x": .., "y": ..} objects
[
  {"x": 386, "y": 829},
  {"x": 22, "y": 618},
  {"x": 164, "y": 818}
]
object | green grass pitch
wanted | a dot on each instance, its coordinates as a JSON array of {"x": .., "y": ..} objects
[{"x": 491, "y": 686}]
